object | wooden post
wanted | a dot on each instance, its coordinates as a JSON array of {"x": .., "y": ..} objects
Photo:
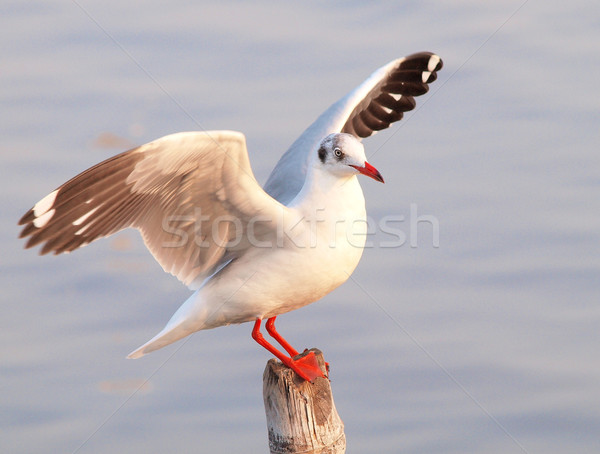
[{"x": 301, "y": 416}]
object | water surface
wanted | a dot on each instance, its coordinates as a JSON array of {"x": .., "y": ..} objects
[{"x": 487, "y": 343}]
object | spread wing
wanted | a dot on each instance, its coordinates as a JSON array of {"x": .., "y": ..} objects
[
  {"x": 189, "y": 194},
  {"x": 372, "y": 106}
]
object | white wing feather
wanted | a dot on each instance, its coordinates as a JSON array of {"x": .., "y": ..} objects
[{"x": 380, "y": 100}]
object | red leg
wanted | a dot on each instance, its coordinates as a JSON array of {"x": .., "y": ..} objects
[
  {"x": 306, "y": 367},
  {"x": 270, "y": 325}
]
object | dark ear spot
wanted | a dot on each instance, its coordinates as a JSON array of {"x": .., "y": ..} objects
[{"x": 322, "y": 154}]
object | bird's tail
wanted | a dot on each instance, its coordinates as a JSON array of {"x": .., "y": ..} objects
[
  {"x": 167, "y": 336},
  {"x": 182, "y": 324}
]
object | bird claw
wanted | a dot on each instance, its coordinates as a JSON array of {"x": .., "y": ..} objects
[
  {"x": 306, "y": 366},
  {"x": 305, "y": 352}
]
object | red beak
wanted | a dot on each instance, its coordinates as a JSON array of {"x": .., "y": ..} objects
[{"x": 369, "y": 171}]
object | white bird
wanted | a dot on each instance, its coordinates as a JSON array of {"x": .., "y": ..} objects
[{"x": 249, "y": 253}]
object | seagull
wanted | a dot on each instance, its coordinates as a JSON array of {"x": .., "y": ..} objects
[{"x": 250, "y": 253}]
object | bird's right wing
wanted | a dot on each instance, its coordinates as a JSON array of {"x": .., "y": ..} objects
[
  {"x": 191, "y": 195},
  {"x": 372, "y": 106}
]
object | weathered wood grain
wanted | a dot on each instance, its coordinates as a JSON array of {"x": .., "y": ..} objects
[{"x": 301, "y": 416}]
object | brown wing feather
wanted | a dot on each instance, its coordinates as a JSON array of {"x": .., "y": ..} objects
[{"x": 173, "y": 190}]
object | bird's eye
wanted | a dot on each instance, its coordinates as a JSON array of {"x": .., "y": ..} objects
[{"x": 338, "y": 153}]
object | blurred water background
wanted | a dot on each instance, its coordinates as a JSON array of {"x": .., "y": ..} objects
[{"x": 488, "y": 343}]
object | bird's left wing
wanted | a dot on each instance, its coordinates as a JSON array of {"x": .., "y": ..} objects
[
  {"x": 190, "y": 195},
  {"x": 374, "y": 105}
]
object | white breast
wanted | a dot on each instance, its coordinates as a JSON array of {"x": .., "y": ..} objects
[{"x": 320, "y": 246}]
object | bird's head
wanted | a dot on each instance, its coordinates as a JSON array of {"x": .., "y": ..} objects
[{"x": 343, "y": 154}]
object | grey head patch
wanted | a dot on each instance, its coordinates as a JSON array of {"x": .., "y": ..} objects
[{"x": 330, "y": 144}]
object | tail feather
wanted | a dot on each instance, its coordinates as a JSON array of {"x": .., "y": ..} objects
[
  {"x": 167, "y": 336},
  {"x": 187, "y": 319}
]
